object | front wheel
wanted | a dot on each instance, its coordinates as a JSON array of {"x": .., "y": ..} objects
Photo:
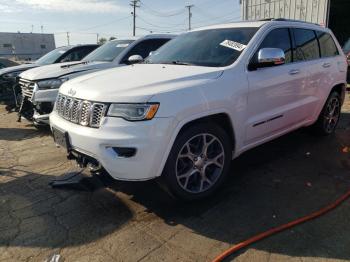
[
  {"x": 330, "y": 115},
  {"x": 198, "y": 162}
]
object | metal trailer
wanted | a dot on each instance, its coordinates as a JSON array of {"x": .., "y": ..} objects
[{"x": 334, "y": 14}]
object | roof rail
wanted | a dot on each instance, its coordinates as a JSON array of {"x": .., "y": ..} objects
[
  {"x": 292, "y": 20},
  {"x": 266, "y": 19}
]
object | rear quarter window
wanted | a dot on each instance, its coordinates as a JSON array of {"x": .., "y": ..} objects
[{"x": 327, "y": 44}]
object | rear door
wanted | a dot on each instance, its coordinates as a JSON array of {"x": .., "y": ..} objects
[
  {"x": 274, "y": 91},
  {"x": 333, "y": 66},
  {"x": 307, "y": 55}
]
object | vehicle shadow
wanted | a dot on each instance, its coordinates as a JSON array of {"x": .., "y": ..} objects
[
  {"x": 35, "y": 216},
  {"x": 269, "y": 186},
  {"x": 18, "y": 134}
]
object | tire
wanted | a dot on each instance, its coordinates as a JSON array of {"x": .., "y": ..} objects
[
  {"x": 193, "y": 173},
  {"x": 328, "y": 119}
]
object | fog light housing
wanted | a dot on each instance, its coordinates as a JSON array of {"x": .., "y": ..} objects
[{"x": 124, "y": 151}]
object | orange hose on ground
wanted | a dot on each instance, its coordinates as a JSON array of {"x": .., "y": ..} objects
[{"x": 275, "y": 230}]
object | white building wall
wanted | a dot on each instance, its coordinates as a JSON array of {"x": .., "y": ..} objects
[
  {"x": 315, "y": 11},
  {"x": 25, "y": 46}
]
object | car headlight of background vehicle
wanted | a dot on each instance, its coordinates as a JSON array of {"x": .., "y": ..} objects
[
  {"x": 51, "y": 83},
  {"x": 133, "y": 112}
]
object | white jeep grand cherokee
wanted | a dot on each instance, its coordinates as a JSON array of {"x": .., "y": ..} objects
[{"x": 201, "y": 100}]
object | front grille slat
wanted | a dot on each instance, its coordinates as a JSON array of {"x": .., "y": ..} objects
[
  {"x": 27, "y": 87},
  {"x": 79, "y": 111}
]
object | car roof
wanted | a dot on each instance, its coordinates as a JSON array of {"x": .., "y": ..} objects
[
  {"x": 150, "y": 36},
  {"x": 260, "y": 23},
  {"x": 70, "y": 47}
]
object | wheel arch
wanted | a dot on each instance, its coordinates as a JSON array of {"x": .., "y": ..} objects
[
  {"x": 220, "y": 117},
  {"x": 340, "y": 89}
]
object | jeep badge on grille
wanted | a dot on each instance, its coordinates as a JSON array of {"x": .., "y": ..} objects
[{"x": 72, "y": 92}]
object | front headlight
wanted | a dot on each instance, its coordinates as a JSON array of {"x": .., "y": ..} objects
[
  {"x": 51, "y": 83},
  {"x": 133, "y": 112}
]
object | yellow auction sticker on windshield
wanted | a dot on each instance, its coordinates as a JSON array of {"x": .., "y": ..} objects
[{"x": 233, "y": 45}]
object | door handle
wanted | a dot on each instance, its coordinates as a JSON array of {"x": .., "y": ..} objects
[
  {"x": 294, "y": 72},
  {"x": 326, "y": 65}
]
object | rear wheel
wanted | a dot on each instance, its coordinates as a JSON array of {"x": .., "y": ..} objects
[
  {"x": 198, "y": 162},
  {"x": 329, "y": 118}
]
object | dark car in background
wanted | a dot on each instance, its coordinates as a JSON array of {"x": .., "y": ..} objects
[
  {"x": 9, "y": 75},
  {"x": 4, "y": 62}
]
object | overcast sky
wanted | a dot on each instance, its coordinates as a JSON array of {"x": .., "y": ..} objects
[{"x": 85, "y": 18}]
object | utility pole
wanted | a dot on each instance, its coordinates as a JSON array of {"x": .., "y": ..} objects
[
  {"x": 67, "y": 38},
  {"x": 97, "y": 35},
  {"x": 189, "y": 16},
  {"x": 134, "y": 5}
]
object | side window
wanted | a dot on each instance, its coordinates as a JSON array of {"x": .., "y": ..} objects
[
  {"x": 328, "y": 47},
  {"x": 84, "y": 51},
  {"x": 306, "y": 45},
  {"x": 145, "y": 47},
  {"x": 76, "y": 54},
  {"x": 67, "y": 57},
  {"x": 278, "y": 38}
]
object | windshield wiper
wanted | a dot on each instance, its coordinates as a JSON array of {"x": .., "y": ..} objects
[
  {"x": 180, "y": 63},
  {"x": 80, "y": 63}
]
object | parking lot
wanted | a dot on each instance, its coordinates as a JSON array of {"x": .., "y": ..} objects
[{"x": 270, "y": 185}]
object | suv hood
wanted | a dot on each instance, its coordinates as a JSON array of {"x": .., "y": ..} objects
[
  {"x": 62, "y": 69},
  {"x": 17, "y": 68},
  {"x": 137, "y": 83}
]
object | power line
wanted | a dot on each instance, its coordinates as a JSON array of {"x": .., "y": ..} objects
[
  {"x": 162, "y": 14},
  {"x": 150, "y": 30},
  {"x": 218, "y": 17},
  {"x": 159, "y": 26},
  {"x": 104, "y": 24}
]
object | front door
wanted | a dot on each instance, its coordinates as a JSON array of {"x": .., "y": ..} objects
[{"x": 274, "y": 91}]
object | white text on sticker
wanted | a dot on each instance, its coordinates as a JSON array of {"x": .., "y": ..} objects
[{"x": 233, "y": 45}]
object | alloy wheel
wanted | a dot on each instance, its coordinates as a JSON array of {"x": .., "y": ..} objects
[
  {"x": 200, "y": 163},
  {"x": 331, "y": 115}
]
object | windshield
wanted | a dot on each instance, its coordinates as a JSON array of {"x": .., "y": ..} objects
[
  {"x": 346, "y": 47},
  {"x": 213, "y": 47},
  {"x": 52, "y": 56},
  {"x": 109, "y": 51}
]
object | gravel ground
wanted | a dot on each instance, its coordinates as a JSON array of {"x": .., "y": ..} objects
[{"x": 269, "y": 186}]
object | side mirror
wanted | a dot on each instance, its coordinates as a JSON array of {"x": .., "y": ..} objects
[
  {"x": 134, "y": 59},
  {"x": 271, "y": 57}
]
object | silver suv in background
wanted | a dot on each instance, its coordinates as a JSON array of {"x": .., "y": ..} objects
[{"x": 40, "y": 85}]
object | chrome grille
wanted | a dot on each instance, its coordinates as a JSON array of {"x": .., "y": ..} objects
[
  {"x": 75, "y": 111},
  {"x": 85, "y": 113},
  {"x": 79, "y": 111},
  {"x": 27, "y": 87},
  {"x": 96, "y": 117}
]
